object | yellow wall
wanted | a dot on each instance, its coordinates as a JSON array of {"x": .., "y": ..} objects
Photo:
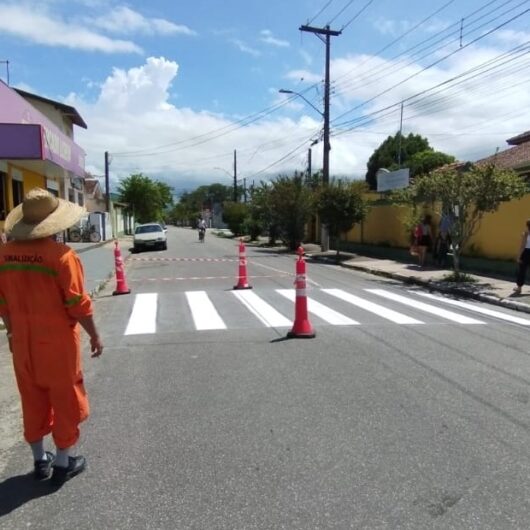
[
  {"x": 498, "y": 236},
  {"x": 30, "y": 180},
  {"x": 33, "y": 180}
]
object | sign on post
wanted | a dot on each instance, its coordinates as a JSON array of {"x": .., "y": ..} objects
[{"x": 392, "y": 180}]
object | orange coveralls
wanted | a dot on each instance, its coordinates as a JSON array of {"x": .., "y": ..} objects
[{"x": 42, "y": 293}]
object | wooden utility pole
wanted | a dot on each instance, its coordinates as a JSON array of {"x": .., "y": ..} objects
[
  {"x": 328, "y": 33},
  {"x": 309, "y": 166},
  {"x": 325, "y": 162}
]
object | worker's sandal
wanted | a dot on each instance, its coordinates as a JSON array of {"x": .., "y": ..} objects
[
  {"x": 76, "y": 465},
  {"x": 43, "y": 468}
]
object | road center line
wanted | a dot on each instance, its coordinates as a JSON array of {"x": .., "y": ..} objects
[{"x": 309, "y": 280}]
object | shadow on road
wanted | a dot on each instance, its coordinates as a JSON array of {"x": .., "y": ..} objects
[{"x": 19, "y": 490}]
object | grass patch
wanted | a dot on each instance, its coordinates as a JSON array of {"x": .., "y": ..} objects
[{"x": 459, "y": 277}]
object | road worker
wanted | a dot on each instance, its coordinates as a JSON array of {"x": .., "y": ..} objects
[{"x": 42, "y": 303}]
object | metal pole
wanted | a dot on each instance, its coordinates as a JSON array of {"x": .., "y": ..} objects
[
  {"x": 400, "y": 135},
  {"x": 107, "y": 184},
  {"x": 235, "y": 176}
]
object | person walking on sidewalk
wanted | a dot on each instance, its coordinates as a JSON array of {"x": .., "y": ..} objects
[
  {"x": 423, "y": 238},
  {"x": 42, "y": 303},
  {"x": 523, "y": 259}
]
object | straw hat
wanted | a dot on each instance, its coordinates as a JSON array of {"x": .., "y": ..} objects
[{"x": 41, "y": 214}]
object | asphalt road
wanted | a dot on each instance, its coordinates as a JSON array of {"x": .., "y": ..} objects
[{"x": 404, "y": 412}]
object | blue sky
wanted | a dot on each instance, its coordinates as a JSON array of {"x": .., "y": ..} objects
[{"x": 162, "y": 86}]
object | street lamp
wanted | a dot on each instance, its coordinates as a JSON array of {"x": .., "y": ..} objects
[
  {"x": 324, "y": 236},
  {"x": 284, "y": 91},
  {"x": 236, "y": 180}
]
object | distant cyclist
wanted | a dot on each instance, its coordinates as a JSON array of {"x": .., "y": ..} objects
[{"x": 202, "y": 230}]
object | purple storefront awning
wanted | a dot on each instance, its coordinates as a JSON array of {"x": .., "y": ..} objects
[
  {"x": 20, "y": 141},
  {"x": 21, "y": 124}
]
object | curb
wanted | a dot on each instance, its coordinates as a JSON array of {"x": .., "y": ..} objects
[
  {"x": 103, "y": 283},
  {"x": 91, "y": 247},
  {"x": 432, "y": 286}
]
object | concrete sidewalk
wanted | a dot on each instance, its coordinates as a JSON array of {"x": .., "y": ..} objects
[{"x": 484, "y": 288}]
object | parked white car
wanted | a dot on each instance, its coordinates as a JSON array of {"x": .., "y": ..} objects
[{"x": 149, "y": 235}]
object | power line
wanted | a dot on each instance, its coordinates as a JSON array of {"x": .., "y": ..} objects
[
  {"x": 243, "y": 122},
  {"x": 368, "y": 76},
  {"x": 368, "y": 79},
  {"x": 321, "y": 11},
  {"x": 415, "y": 74},
  {"x": 340, "y": 12},
  {"x": 357, "y": 15},
  {"x": 394, "y": 107}
]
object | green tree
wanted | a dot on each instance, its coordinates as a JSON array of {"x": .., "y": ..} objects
[
  {"x": 291, "y": 206},
  {"x": 146, "y": 198},
  {"x": 261, "y": 212},
  {"x": 234, "y": 215},
  {"x": 340, "y": 206},
  {"x": 466, "y": 193},
  {"x": 424, "y": 162},
  {"x": 416, "y": 153}
]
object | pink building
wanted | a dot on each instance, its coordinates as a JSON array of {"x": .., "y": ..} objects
[{"x": 37, "y": 148}]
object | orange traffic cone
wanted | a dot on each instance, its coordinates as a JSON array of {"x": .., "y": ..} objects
[
  {"x": 302, "y": 328},
  {"x": 121, "y": 282},
  {"x": 242, "y": 277}
]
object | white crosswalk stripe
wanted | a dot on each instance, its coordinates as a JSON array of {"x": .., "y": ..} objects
[
  {"x": 380, "y": 310},
  {"x": 477, "y": 309},
  {"x": 204, "y": 314},
  {"x": 428, "y": 308},
  {"x": 320, "y": 310},
  {"x": 262, "y": 310},
  {"x": 245, "y": 308},
  {"x": 143, "y": 316}
]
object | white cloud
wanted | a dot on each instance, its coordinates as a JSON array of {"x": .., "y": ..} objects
[
  {"x": 126, "y": 21},
  {"x": 395, "y": 28},
  {"x": 245, "y": 48},
  {"x": 390, "y": 27},
  {"x": 268, "y": 38},
  {"x": 512, "y": 37},
  {"x": 468, "y": 120},
  {"x": 133, "y": 113},
  {"x": 36, "y": 25}
]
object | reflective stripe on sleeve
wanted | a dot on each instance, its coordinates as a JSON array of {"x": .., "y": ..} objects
[{"x": 74, "y": 300}]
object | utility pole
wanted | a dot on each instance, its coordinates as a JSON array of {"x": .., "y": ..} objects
[
  {"x": 325, "y": 162},
  {"x": 107, "y": 184},
  {"x": 245, "y": 190},
  {"x": 308, "y": 166},
  {"x": 400, "y": 135},
  {"x": 235, "y": 176}
]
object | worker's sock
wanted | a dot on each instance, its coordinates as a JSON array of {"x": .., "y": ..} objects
[
  {"x": 38, "y": 451},
  {"x": 61, "y": 458}
]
